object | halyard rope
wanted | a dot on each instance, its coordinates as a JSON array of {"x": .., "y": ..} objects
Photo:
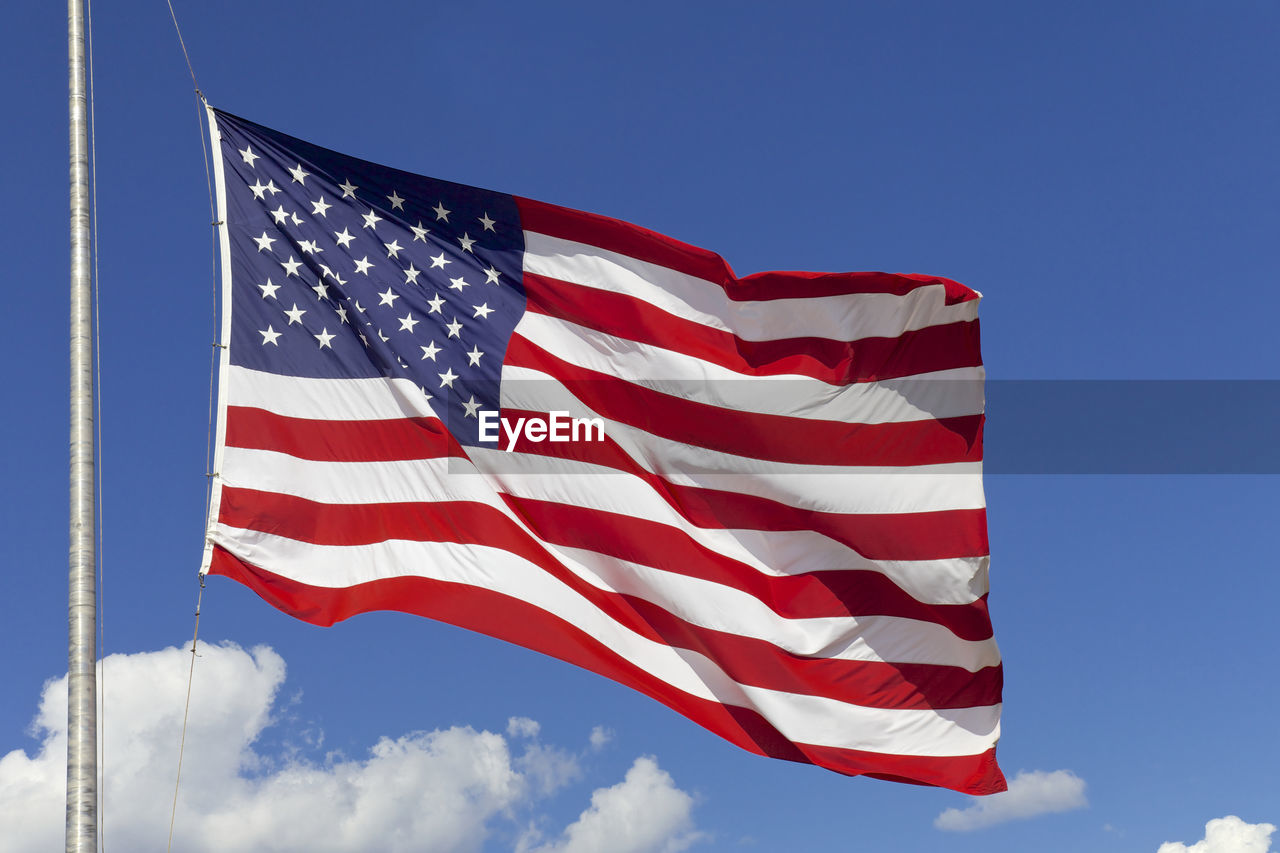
[
  {"x": 213, "y": 273},
  {"x": 195, "y": 636}
]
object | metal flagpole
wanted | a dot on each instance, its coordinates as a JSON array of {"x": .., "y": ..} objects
[{"x": 82, "y": 687}]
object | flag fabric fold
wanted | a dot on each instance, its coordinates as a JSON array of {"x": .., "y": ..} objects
[{"x": 757, "y": 500}]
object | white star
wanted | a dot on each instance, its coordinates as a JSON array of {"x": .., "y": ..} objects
[
  {"x": 294, "y": 217},
  {"x": 331, "y": 274},
  {"x": 291, "y": 266},
  {"x": 324, "y": 337},
  {"x": 411, "y": 274},
  {"x": 482, "y": 311},
  {"x": 271, "y": 187},
  {"x": 319, "y": 207},
  {"x": 407, "y": 322},
  {"x": 475, "y": 355},
  {"x": 419, "y": 233},
  {"x": 393, "y": 248},
  {"x": 264, "y": 242},
  {"x": 455, "y": 328},
  {"x": 348, "y": 189},
  {"x": 322, "y": 290},
  {"x": 359, "y": 307},
  {"x": 458, "y": 283},
  {"x": 248, "y": 156},
  {"x": 371, "y": 220},
  {"x": 295, "y": 314},
  {"x": 344, "y": 237},
  {"x": 441, "y": 212},
  {"x": 429, "y": 351},
  {"x": 270, "y": 334},
  {"x": 466, "y": 242},
  {"x": 268, "y": 289},
  {"x": 388, "y": 298},
  {"x": 258, "y": 189},
  {"x": 280, "y": 215},
  {"x": 299, "y": 176},
  {"x": 309, "y": 246},
  {"x": 491, "y": 276},
  {"x": 397, "y": 203},
  {"x": 435, "y": 303},
  {"x": 382, "y": 337},
  {"x": 439, "y": 261},
  {"x": 363, "y": 265},
  {"x": 487, "y": 222},
  {"x": 446, "y": 378},
  {"x": 471, "y": 406},
  {"x": 341, "y": 311}
]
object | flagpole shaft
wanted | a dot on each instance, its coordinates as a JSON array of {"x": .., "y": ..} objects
[{"x": 82, "y": 688}]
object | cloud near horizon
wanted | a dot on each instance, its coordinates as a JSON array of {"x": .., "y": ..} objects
[
  {"x": 444, "y": 790},
  {"x": 1227, "y": 834},
  {"x": 1031, "y": 793}
]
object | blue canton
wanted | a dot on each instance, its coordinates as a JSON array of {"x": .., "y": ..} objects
[{"x": 346, "y": 269}]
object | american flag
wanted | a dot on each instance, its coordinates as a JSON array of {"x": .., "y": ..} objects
[{"x": 757, "y": 500}]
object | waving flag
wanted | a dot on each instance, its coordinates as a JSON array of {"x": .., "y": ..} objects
[{"x": 757, "y": 500}]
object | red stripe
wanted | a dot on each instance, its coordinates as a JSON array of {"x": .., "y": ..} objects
[
  {"x": 796, "y": 285},
  {"x": 881, "y": 536},
  {"x": 909, "y": 536},
  {"x": 623, "y": 238},
  {"x": 746, "y": 660},
  {"x": 831, "y": 593},
  {"x": 933, "y": 348},
  {"x": 779, "y": 438},
  {"x": 339, "y": 441},
  {"x": 518, "y": 622}
]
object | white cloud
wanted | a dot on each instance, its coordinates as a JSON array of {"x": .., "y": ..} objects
[
  {"x": 444, "y": 790},
  {"x": 644, "y": 813},
  {"x": 599, "y": 737},
  {"x": 523, "y": 727},
  {"x": 1227, "y": 834},
  {"x": 1030, "y": 793},
  {"x": 547, "y": 769}
]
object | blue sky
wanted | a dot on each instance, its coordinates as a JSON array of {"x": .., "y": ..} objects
[{"x": 1104, "y": 173}]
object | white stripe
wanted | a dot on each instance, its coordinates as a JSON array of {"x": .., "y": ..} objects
[
  {"x": 841, "y": 318},
  {"x": 582, "y": 484},
  {"x": 959, "y": 580},
  {"x": 383, "y": 482},
  {"x": 726, "y": 608},
  {"x": 325, "y": 399},
  {"x": 941, "y": 394},
  {"x": 800, "y": 718},
  {"x": 224, "y": 357}
]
